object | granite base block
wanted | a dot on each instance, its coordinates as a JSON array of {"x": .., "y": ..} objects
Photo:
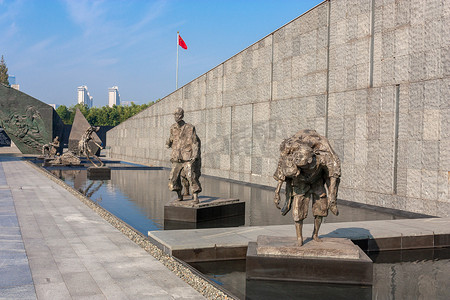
[
  {"x": 233, "y": 221},
  {"x": 208, "y": 209},
  {"x": 321, "y": 262}
]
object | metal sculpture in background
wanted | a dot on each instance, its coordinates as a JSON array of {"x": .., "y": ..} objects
[
  {"x": 66, "y": 159},
  {"x": 85, "y": 149},
  {"x": 51, "y": 149},
  {"x": 185, "y": 156},
  {"x": 311, "y": 170}
]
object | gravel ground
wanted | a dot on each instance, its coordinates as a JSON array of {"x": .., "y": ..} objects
[{"x": 197, "y": 282}]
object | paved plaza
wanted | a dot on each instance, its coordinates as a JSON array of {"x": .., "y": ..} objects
[{"x": 52, "y": 246}]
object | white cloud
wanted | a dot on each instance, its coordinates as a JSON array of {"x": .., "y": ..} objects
[{"x": 9, "y": 10}]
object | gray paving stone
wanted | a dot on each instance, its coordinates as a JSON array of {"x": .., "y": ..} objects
[
  {"x": 71, "y": 252},
  {"x": 13, "y": 258},
  {"x": 15, "y": 275},
  {"x": 22, "y": 292},
  {"x": 52, "y": 291},
  {"x": 11, "y": 244},
  {"x": 81, "y": 284}
]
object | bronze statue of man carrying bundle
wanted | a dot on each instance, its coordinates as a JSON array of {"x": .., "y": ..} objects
[{"x": 311, "y": 170}]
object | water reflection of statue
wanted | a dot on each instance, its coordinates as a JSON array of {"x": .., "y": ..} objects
[
  {"x": 311, "y": 170},
  {"x": 51, "y": 149},
  {"x": 83, "y": 145},
  {"x": 88, "y": 192},
  {"x": 185, "y": 156}
]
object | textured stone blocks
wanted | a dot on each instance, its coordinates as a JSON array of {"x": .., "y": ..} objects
[
  {"x": 444, "y": 155},
  {"x": 414, "y": 183},
  {"x": 246, "y": 106},
  {"x": 431, "y": 122}
]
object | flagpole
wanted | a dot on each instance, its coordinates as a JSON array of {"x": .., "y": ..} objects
[{"x": 176, "y": 85}]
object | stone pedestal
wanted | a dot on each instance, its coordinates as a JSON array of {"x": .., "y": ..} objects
[
  {"x": 334, "y": 260},
  {"x": 99, "y": 173},
  {"x": 210, "y": 212}
]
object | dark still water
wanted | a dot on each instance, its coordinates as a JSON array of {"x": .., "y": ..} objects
[
  {"x": 412, "y": 274},
  {"x": 137, "y": 194}
]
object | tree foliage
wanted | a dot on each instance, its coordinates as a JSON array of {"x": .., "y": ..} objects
[
  {"x": 103, "y": 116},
  {"x": 3, "y": 72}
]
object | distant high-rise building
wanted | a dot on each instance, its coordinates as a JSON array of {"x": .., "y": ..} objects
[
  {"x": 84, "y": 97},
  {"x": 114, "y": 96},
  {"x": 12, "y": 82}
]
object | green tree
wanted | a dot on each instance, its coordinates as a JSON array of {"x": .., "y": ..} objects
[
  {"x": 63, "y": 113},
  {"x": 103, "y": 116},
  {"x": 3, "y": 72}
]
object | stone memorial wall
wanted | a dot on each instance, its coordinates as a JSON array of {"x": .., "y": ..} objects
[
  {"x": 5, "y": 141},
  {"x": 371, "y": 75}
]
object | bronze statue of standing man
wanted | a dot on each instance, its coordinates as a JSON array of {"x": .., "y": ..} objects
[{"x": 185, "y": 156}]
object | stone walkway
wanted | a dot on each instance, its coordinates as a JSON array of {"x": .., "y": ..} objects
[{"x": 52, "y": 246}]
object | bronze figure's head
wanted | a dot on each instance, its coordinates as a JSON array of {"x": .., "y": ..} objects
[{"x": 178, "y": 114}]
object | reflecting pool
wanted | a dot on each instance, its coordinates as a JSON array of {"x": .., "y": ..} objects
[
  {"x": 137, "y": 194},
  {"x": 411, "y": 274}
]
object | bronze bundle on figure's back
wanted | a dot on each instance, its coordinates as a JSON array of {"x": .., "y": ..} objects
[{"x": 311, "y": 170}]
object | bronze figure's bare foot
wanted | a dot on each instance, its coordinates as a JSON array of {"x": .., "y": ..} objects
[
  {"x": 316, "y": 238},
  {"x": 196, "y": 198},
  {"x": 334, "y": 210},
  {"x": 180, "y": 196}
]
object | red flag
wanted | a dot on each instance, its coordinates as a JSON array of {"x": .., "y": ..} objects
[{"x": 181, "y": 42}]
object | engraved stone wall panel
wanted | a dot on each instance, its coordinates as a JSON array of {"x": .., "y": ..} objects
[{"x": 28, "y": 122}]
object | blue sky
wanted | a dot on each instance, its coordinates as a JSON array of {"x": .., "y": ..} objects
[{"x": 52, "y": 47}]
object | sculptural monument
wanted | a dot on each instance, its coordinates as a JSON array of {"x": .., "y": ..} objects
[
  {"x": 66, "y": 159},
  {"x": 185, "y": 156},
  {"x": 97, "y": 171},
  {"x": 51, "y": 149},
  {"x": 311, "y": 170},
  {"x": 185, "y": 172},
  {"x": 85, "y": 148},
  {"x": 29, "y": 122},
  {"x": 79, "y": 127}
]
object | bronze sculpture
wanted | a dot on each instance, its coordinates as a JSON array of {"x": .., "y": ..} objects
[
  {"x": 66, "y": 159},
  {"x": 311, "y": 170},
  {"x": 51, "y": 149},
  {"x": 185, "y": 156},
  {"x": 84, "y": 147}
]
